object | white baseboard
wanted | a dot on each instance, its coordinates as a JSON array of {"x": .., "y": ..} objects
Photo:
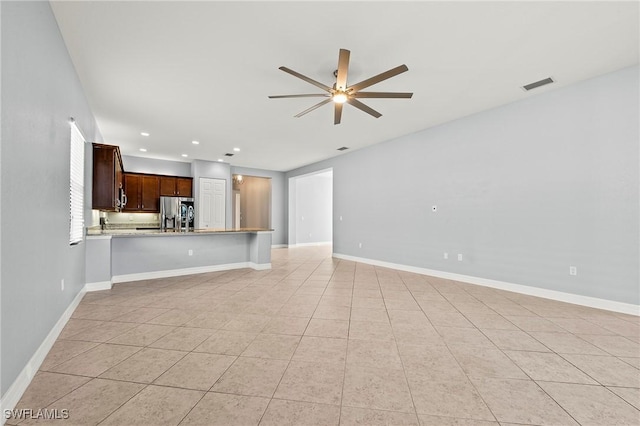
[
  {"x": 260, "y": 266},
  {"x": 321, "y": 243},
  {"x": 593, "y": 302},
  {"x": 98, "y": 286},
  {"x": 187, "y": 271},
  {"x": 274, "y": 246},
  {"x": 16, "y": 390}
]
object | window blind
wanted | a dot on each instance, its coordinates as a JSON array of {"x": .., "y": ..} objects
[{"x": 76, "y": 186}]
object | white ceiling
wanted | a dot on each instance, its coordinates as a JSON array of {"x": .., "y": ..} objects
[{"x": 186, "y": 71}]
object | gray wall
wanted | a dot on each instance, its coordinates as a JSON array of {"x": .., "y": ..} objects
[
  {"x": 40, "y": 91},
  {"x": 279, "y": 190},
  {"x": 313, "y": 208},
  {"x": 160, "y": 167},
  {"x": 523, "y": 192},
  {"x": 133, "y": 255}
]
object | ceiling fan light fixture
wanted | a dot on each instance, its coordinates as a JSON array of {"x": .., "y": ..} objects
[
  {"x": 341, "y": 93},
  {"x": 339, "y": 97}
]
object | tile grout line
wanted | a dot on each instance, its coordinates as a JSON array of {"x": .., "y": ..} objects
[
  {"x": 404, "y": 371},
  {"x": 289, "y": 362}
]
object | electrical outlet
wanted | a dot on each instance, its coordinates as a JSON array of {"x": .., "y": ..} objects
[
  {"x": 573, "y": 270},
  {"x": 459, "y": 257},
  {"x": 130, "y": 218},
  {"x": 446, "y": 255},
  {"x": 340, "y": 218},
  {"x": 359, "y": 245},
  {"x": 62, "y": 284},
  {"x": 190, "y": 252}
]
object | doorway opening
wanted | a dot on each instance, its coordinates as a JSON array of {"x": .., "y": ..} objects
[
  {"x": 251, "y": 202},
  {"x": 311, "y": 209}
]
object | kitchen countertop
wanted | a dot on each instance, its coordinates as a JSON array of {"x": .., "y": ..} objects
[{"x": 92, "y": 232}]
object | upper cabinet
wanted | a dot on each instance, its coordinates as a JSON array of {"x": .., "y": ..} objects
[
  {"x": 173, "y": 186},
  {"x": 184, "y": 187},
  {"x": 115, "y": 190},
  {"x": 143, "y": 192},
  {"x": 107, "y": 178},
  {"x": 167, "y": 186}
]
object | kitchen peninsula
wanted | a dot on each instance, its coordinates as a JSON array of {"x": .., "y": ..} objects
[{"x": 121, "y": 255}]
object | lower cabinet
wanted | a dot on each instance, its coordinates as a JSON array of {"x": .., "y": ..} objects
[{"x": 143, "y": 192}]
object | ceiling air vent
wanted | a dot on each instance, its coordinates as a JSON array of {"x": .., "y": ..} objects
[
  {"x": 228, "y": 154},
  {"x": 344, "y": 148},
  {"x": 533, "y": 85}
]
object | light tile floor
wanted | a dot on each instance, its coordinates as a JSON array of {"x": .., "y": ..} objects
[{"x": 320, "y": 341}]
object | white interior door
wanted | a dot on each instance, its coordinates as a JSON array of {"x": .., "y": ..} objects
[{"x": 212, "y": 203}]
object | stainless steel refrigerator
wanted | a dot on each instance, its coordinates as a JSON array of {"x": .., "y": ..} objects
[{"x": 177, "y": 213}]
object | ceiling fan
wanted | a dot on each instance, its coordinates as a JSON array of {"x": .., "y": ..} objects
[{"x": 340, "y": 93}]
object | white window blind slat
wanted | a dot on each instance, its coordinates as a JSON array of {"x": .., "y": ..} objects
[{"x": 76, "y": 187}]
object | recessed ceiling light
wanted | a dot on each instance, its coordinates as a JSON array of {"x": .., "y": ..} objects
[
  {"x": 143, "y": 149},
  {"x": 221, "y": 160},
  {"x": 236, "y": 149},
  {"x": 144, "y": 133},
  {"x": 195, "y": 142},
  {"x": 184, "y": 155}
]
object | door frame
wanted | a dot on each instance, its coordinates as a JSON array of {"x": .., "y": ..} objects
[{"x": 292, "y": 236}]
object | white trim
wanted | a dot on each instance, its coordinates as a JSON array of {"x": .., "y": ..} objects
[
  {"x": 260, "y": 266},
  {"x": 98, "y": 286},
  {"x": 187, "y": 271},
  {"x": 274, "y": 246},
  {"x": 594, "y": 302},
  {"x": 320, "y": 243},
  {"x": 16, "y": 390},
  {"x": 317, "y": 172}
]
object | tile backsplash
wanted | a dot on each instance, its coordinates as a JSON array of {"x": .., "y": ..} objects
[
  {"x": 125, "y": 220},
  {"x": 134, "y": 218}
]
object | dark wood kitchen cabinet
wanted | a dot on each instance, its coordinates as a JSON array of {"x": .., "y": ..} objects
[
  {"x": 143, "y": 192},
  {"x": 107, "y": 178},
  {"x": 173, "y": 186},
  {"x": 184, "y": 187}
]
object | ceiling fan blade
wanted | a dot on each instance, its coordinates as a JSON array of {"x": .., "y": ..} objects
[
  {"x": 305, "y": 78},
  {"x": 318, "y": 105},
  {"x": 356, "y": 103},
  {"x": 310, "y": 95},
  {"x": 378, "y": 78},
  {"x": 337, "y": 113},
  {"x": 343, "y": 69},
  {"x": 397, "y": 95}
]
